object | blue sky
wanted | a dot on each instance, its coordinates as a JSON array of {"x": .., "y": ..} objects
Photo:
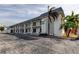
[{"x": 14, "y": 13}]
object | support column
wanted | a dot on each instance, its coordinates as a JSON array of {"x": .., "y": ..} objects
[
  {"x": 31, "y": 28},
  {"x": 19, "y": 29},
  {"x": 15, "y": 29},
  {"x": 24, "y": 28}
]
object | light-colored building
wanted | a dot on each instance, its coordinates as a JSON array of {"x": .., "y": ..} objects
[{"x": 39, "y": 25}]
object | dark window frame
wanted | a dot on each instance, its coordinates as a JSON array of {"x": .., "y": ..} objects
[
  {"x": 34, "y": 23},
  {"x": 26, "y": 31},
  {"x": 34, "y": 30}
]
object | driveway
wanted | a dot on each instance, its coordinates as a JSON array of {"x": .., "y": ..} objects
[{"x": 25, "y": 44}]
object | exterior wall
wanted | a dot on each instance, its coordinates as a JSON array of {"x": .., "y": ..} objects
[
  {"x": 31, "y": 28},
  {"x": 54, "y": 27},
  {"x": 8, "y": 30},
  {"x": 27, "y": 27},
  {"x": 24, "y": 28},
  {"x": 21, "y": 28},
  {"x": 37, "y": 27},
  {"x": 57, "y": 24},
  {"x": 38, "y": 30},
  {"x": 44, "y": 26}
]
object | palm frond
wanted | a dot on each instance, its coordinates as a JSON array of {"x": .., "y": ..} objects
[{"x": 54, "y": 15}]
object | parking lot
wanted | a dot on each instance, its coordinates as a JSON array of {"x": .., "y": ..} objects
[{"x": 18, "y": 44}]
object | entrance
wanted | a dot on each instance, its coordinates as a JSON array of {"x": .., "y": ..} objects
[{"x": 11, "y": 31}]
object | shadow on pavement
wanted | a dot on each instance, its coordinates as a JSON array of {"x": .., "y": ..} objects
[
  {"x": 33, "y": 37},
  {"x": 23, "y": 36}
]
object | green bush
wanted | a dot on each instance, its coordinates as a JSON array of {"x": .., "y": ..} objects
[{"x": 1, "y": 28}]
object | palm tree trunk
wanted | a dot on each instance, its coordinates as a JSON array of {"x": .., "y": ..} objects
[{"x": 68, "y": 32}]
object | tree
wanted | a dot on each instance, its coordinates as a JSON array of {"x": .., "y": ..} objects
[
  {"x": 1, "y": 28},
  {"x": 53, "y": 14},
  {"x": 71, "y": 24}
]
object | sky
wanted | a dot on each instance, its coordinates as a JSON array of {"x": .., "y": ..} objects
[{"x": 14, "y": 13}]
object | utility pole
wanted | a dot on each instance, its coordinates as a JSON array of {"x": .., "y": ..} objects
[
  {"x": 48, "y": 22},
  {"x": 49, "y": 19}
]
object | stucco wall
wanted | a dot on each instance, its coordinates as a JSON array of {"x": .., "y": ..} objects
[
  {"x": 54, "y": 27},
  {"x": 57, "y": 24},
  {"x": 44, "y": 25}
]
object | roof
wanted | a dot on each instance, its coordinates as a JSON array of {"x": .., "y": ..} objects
[{"x": 59, "y": 10}]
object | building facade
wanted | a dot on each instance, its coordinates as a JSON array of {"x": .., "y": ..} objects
[{"x": 39, "y": 25}]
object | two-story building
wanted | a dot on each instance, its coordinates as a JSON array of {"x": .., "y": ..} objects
[{"x": 39, "y": 25}]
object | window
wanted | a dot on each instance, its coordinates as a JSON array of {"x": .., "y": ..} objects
[
  {"x": 11, "y": 31},
  {"x": 26, "y": 30},
  {"x": 34, "y": 23},
  {"x": 34, "y": 30}
]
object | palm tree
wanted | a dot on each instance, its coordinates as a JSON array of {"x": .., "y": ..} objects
[
  {"x": 54, "y": 14},
  {"x": 71, "y": 24}
]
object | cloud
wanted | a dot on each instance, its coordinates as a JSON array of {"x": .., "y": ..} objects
[
  {"x": 14, "y": 13},
  {"x": 68, "y": 8},
  {"x": 9, "y": 22}
]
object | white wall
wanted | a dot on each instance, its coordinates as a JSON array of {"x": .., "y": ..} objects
[
  {"x": 38, "y": 23},
  {"x": 57, "y": 24},
  {"x": 54, "y": 26},
  {"x": 8, "y": 30},
  {"x": 44, "y": 25}
]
